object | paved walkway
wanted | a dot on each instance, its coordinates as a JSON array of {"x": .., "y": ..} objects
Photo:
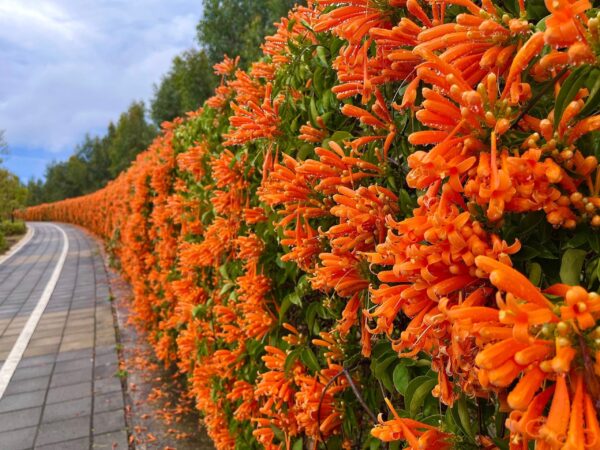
[{"x": 58, "y": 388}]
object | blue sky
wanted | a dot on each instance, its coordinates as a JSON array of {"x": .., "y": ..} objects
[{"x": 68, "y": 67}]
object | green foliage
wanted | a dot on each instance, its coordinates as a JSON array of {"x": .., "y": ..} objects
[
  {"x": 36, "y": 192},
  {"x": 96, "y": 160},
  {"x": 184, "y": 88},
  {"x": 8, "y": 228},
  {"x": 13, "y": 195},
  {"x": 237, "y": 27},
  {"x": 132, "y": 134}
]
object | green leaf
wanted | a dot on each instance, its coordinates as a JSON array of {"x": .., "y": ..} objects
[
  {"x": 285, "y": 305},
  {"x": 382, "y": 350},
  {"x": 407, "y": 203},
  {"x": 322, "y": 55},
  {"x": 571, "y": 265},
  {"x": 298, "y": 445},
  {"x": 538, "y": 251},
  {"x": 568, "y": 91},
  {"x": 223, "y": 272},
  {"x": 591, "y": 272},
  {"x": 463, "y": 415},
  {"x": 374, "y": 444},
  {"x": 412, "y": 386},
  {"x": 535, "y": 273},
  {"x": 579, "y": 240},
  {"x": 394, "y": 445},
  {"x": 278, "y": 433},
  {"x": 593, "y": 101},
  {"x": 294, "y": 298},
  {"x": 380, "y": 367},
  {"x": 594, "y": 240},
  {"x": 541, "y": 25},
  {"x": 338, "y": 136},
  {"x": 536, "y": 9},
  {"x": 401, "y": 378},
  {"x": 419, "y": 395},
  {"x": 226, "y": 287},
  {"x": 309, "y": 358},
  {"x": 311, "y": 315},
  {"x": 386, "y": 380},
  {"x": 334, "y": 442},
  {"x": 198, "y": 311},
  {"x": 314, "y": 114},
  {"x": 502, "y": 444}
]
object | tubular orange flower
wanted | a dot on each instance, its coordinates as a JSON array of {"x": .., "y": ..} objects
[{"x": 418, "y": 435}]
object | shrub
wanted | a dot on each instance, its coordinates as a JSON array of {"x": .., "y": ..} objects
[{"x": 9, "y": 228}]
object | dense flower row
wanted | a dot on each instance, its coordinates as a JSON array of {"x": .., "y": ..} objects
[{"x": 385, "y": 230}]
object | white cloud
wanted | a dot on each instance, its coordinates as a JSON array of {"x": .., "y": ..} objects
[{"x": 71, "y": 66}]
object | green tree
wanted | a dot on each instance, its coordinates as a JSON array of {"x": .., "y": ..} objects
[
  {"x": 13, "y": 195},
  {"x": 61, "y": 180},
  {"x": 36, "y": 192},
  {"x": 166, "y": 103},
  {"x": 132, "y": 134},
  {"x": 184, "y": 88},
  {"x": 238, "y": 27},
  {"x": 93, "y": 151}
]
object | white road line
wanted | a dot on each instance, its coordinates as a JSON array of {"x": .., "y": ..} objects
[
  {"x": 11, "y": 363},
  {"x": 22, "y": 243}
]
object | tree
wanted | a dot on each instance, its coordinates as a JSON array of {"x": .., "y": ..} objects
[
  {"x": 13, "y": 195},
  {"x": 59, "y": 184},
  {"x": 96, "y": 160},
  {"x": 238, "y": 27},
  {"x": 93, "y": 151},
  {"x": 36, "y": 192},
  {"x": 166, "y": 104},
  {"x": 132, "y": 134},
  {"x": 184, "y": 88}
]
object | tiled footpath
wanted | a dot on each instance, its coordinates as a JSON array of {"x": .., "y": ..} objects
[{"x": 64, "y": 393}]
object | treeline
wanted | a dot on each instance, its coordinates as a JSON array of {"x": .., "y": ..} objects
[{"x": 232, "y": 27}]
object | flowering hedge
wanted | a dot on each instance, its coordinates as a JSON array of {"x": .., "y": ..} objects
[{"x": 385, "y": 230}]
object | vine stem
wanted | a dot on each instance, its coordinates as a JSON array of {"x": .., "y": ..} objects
[
  {"x": 537, "y": 98},
  {"x": 359, "y": 397},
  {"x": 356, "y": 392},
  {"x": 327, "y": 386}
]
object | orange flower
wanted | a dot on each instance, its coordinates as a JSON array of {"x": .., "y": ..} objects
[
  {"x": 418, "y": 435},
  {"x": 564, "y": 26}
]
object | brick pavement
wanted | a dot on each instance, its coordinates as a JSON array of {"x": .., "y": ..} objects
[{"x": 64, "y": 393}]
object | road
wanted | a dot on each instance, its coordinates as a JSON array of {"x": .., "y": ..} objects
[{"x": 58, "y": 360}]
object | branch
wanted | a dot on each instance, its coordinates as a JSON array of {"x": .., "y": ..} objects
[
  {"x": 359, "y": 397},
  {"x": 327, "y": 386},
  {"x": 356, "y": 392}
]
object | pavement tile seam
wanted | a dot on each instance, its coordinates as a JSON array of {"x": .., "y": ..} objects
[{"x": 77, "y": 332}]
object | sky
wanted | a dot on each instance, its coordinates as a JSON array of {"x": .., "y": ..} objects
[{"x": 69, "y": 67}]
